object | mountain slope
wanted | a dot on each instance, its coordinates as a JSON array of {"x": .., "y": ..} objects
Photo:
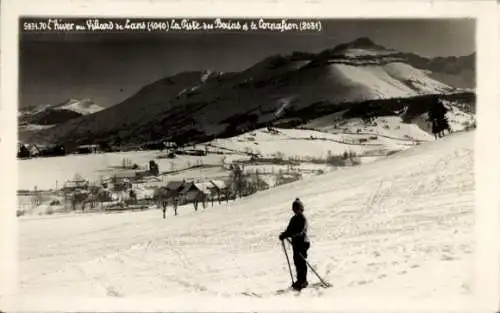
[
  {"x": 376, "y": 230},
  {"x": 458, "y": 72},
  {"x": 146, "y": 104},
  {"x": 199, "y": 105}
]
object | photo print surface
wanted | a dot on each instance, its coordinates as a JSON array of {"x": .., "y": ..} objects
[{"x": 256, "y": 158}]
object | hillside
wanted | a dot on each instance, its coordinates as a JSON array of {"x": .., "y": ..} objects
[
  {"x": 200, "y": 105},
  {"x": 458, "y": 72},
  {"x": 376, "y": 230}
]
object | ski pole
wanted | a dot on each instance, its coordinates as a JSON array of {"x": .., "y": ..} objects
[
  {"x": 312, "y": 269},
  {"x": 287, "y": 260}
]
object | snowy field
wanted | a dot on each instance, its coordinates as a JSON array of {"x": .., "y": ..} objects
[
  {"x": 291, "y": 143},
  {"x": 389, "y": 128},
  {"x": 400, "y": 227},
  {"x": 33, "y": 172},
  {"x": 304, "y": 143}
]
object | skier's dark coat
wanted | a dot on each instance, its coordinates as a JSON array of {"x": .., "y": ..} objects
[{"x": 297, "y": 229}]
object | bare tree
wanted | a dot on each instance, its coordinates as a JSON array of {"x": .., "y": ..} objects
[
  {"x": 161, "y": 197},
  {"x": 237, "y": 179}
]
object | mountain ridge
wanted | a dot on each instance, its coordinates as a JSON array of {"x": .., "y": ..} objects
[{"x": 190, "y": 104}]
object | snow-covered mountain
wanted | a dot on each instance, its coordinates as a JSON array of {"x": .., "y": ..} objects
[
  {"x": 46, "y": 116},
  {"x": 51, "y": 114},
  {"x": 454, "y": 71},
  {"x": 201, "y": 105},
  {"x": 83, "y": 107}
]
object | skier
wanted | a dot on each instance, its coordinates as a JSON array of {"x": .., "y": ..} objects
[
  {"x": 176, "y": 203},
  {"x": 297, "y": 230},
  {"x": 164, "y": 207}
]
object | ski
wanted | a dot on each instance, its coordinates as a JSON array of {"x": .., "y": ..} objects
[
  {"x": 290, "y": 289},
  {"x": 312, "y": 286},
  {"x": 287, "y": 290},
  {"x": 251, "y": 294}
]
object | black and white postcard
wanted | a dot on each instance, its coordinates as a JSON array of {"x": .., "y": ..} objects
[{"x": 308, "y": 160}]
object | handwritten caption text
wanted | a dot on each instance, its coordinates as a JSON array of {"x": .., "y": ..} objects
[{"x": 169, "y": 25}]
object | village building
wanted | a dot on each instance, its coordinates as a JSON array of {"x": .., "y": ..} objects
[
  {"x": 22, "y": 151},
  {"x": 75, "y": 192},
  {"x": 204, "y": 188},
  {"x": 189, "y": 192},
  {"x": 86, "y": 149},
  {"x": 34, "y": 150},
  {"x": 159, "y": 145},
  {"x": 75, "y": 185},
  {"x": 149, "y": 182},
  {"x": 119, "y": 182},
  {"x": 27, "y": 151},
  {"x": 52, "y": 150},
  {"x": 219, "y": 190},
  {"x": 174, "y": 187},
  {"x": 195, "y": 193},
  {"x": 153, "y": 168},
  {"x": 219, "y": 185}
]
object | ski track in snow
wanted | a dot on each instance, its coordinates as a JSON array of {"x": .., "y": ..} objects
[{"x": 377, "y": 229}]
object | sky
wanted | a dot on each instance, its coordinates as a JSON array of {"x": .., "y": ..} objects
[{"x": 110, "y": 67}]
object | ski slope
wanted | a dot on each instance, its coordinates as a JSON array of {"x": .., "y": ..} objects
[{"x": 400, "y": 227}]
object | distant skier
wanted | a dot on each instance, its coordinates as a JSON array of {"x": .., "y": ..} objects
[
  {"x": 176, "y": 204},
  {"x": 297, "y": 230},
  {"x": 164, "y": 204}
]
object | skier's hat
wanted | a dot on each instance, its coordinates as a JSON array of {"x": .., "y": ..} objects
[{"x": 297, "y": 205}]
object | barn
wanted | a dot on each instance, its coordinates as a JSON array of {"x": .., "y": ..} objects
[
  {"x": 195, "y": 191},
  {"x": 86, "y": 149},
  {"x": 174, "y": 187}
]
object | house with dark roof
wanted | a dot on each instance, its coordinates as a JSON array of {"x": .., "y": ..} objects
[
  {"x": 85, "y": 149},
  {"x": 175, "y": 185},
  {"x": 189, "y": 192},
  {"x": 196, "y": 193}
]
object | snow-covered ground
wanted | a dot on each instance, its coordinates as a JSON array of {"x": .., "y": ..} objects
[
  {"x": 303, "y": 143},
  {"x": 391, "y": 127},
  {"x": 291, "y": 143},
  {"x": 33, "y": 172},
  {"x": 399, "y": 228}
]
